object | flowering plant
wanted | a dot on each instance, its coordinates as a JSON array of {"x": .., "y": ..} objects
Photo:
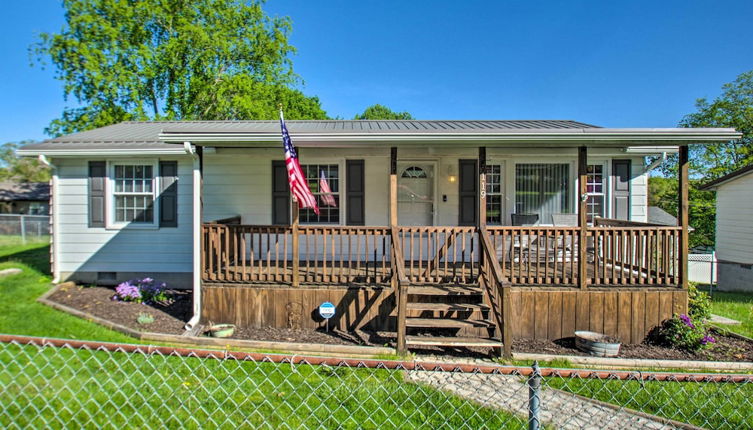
[
  {"x": 145, "y": 290},
  {"x": 683, "y": 331}
]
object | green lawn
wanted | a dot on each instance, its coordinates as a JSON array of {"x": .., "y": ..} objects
[
  {"x": 737, "y": 306},
  {"x": 77, "y": 388},
  {"x": 708, "y": 405},
  {"x": 19, "y": 311}
]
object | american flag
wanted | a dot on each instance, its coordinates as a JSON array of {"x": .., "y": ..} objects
[
  {"x": 327, "y": 197},
  {"x": 297, "y": 180}
]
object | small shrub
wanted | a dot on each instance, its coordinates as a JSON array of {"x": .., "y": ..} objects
[
  {"x": 699, "y": 304},
  {"x": 145, "y": 290},
  {"x": 145, "y": 319},
  {"x": 681, "y": 331}
]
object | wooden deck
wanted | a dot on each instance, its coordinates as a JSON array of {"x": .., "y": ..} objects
[
  {"x": 550, "y": 273},
  {"x": 624, "y": 255}
]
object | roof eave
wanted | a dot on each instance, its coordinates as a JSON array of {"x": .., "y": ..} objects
[{"x": 634, "y": 137}]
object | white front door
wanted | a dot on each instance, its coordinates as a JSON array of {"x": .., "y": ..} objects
[{"x": 415, "y": 193}]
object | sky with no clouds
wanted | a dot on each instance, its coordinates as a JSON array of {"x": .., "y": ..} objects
[{"x": 616, "y": 64}]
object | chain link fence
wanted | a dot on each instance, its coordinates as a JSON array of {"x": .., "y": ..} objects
[
  {"x": 25, "y": 227},
  {"x": 48, "y": 383}
]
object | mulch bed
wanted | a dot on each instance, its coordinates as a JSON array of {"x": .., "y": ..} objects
[
  {"x": 170, "y": 317},
  {"x": 727, "y": 348}
]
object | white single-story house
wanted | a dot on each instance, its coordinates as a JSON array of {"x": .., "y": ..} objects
[
  {"x": 734, "y": 229},
  {"x": 546, "y": 217}
]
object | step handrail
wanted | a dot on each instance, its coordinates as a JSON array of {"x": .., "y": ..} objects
[
  {"x": 398, "y": 281},
  {"x": 502, "y": 286}
]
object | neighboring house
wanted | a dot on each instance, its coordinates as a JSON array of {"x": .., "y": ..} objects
[
  {"x": 206, "y": 205},
  {"x": 27, "y": 198},
  {"x": 734, "y": 229},
  {"x": 659, "y": 216}
]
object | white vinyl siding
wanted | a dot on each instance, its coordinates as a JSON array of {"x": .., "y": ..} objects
[
  {"x": 734, "y": 220},
  {"x": 85, "y": 249}
]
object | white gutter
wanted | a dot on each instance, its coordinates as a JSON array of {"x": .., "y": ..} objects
[
  {"x": 196, "y": 233},
  {"x": 627, "y": 136},
  {"x": 54, "y": 215},
  {"x": 98, "y": 152}
]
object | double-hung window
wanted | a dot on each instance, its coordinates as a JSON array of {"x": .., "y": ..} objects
[
  {"x": 328, "y": 214},
  {"x": 595, "y": 191},
  {"x": 494, "y": 194},
  {"x": 133, "y": 187}
]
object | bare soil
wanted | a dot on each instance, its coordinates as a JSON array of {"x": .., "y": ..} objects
[{"x": 171, "y": 316}]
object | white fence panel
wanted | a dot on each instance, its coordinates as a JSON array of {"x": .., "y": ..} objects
[{"x": 702, "y": 268}]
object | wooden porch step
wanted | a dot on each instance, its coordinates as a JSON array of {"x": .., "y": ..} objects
[
  {"x": 447, "y": 307},
  {"x": 446, "y": 323},
  {"x": 443, "y": 290},
  {"x": 452, "y": 341}
]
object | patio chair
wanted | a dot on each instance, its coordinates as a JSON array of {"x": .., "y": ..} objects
[
  {"x": 521, "y": 246},
  {"x": 564, "y": 248}
]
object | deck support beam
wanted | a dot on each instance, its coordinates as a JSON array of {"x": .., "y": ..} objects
[
  {"x": 682, "y": 217},
  {"x": 582, "y": 216}
]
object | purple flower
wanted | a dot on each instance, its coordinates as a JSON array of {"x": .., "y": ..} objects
[
  {"x": 707, "y": 339},
  {"x": 126, "y": 291},
  {"x": 686, "y": 320}
]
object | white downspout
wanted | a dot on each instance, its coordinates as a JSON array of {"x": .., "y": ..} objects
[
  {"x": 658, "y": 162},
  {"x": 196, "y": 233},
  {"x": 55, "y": 210}
]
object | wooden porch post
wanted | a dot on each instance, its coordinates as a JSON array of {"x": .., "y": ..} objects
[
  {"x": 582, "y": 216},
  {"x": 481, "y": 186},
  {"x": 393, "y": 187},
  {"x": 296, "y": 253},
  {"x": 682, "y": 218}
]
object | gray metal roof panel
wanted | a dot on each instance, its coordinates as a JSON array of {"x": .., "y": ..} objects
[
  {"x": 24, "y": 191},
  {"x": 149, "y": 131}
]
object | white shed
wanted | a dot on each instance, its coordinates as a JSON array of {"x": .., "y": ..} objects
[{"x": 734, "y": 229}]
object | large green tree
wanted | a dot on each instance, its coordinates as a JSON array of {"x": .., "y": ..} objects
[
  {"x": 172, "y": 59},
  {"x": 18, "y": 169},
  {"x": 732, "y": 108},
  {"x": 378, "y": 111}
]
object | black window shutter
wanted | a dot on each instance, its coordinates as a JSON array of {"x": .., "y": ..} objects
[
  {"x": 280, "y": 193},
  {"x": 97, "y": 208},
  {"x": 621, "y": 189},
  {"x": 468, "y": 193},
  {"x": 168, "y": 197},
  {"x": 355, "y": 192}
]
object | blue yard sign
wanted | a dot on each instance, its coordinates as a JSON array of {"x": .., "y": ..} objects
[{"x": 327, "y": 310}]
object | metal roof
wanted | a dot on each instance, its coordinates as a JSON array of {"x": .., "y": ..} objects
[
  {"x": 24, "y": 191},
  {"x": 153, "y": 136}
]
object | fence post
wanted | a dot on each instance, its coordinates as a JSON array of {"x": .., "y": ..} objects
[
  {"x": 534, "y": 398},
  {"x": 23, "y": 228}
]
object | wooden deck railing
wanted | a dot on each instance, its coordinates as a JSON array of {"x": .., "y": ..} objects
[{"x": 616, "y": 254}]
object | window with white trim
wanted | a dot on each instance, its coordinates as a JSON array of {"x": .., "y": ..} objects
[
  {"x": 494, "y": 194},
  {"x": 328, "y": 214},
  {"x": 595, "y": 191},
  {"x": 133, "y": 188}
]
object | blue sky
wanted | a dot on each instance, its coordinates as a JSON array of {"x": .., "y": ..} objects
[{"x": 617, "y": 64}]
